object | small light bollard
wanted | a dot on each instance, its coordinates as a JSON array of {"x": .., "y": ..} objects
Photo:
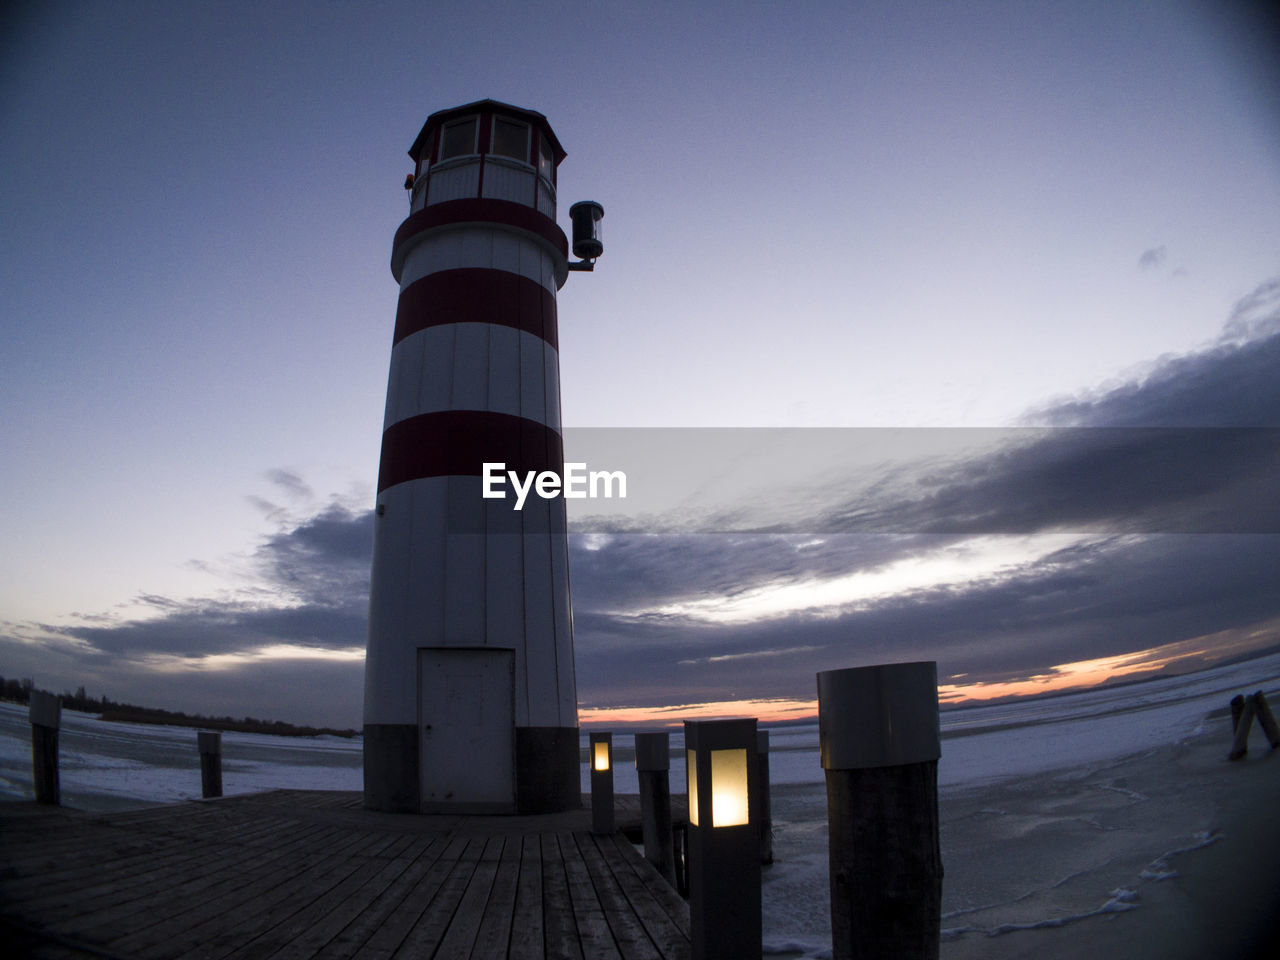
[
  {"x": 653, "y": 765},
  {"x": 724, "y": 840},
  {"x": 600, "y": 756},
  {"x": 210, "y": 744},
  {"x": 879, "y": 741},
  {"x": 45, "y": 715}
]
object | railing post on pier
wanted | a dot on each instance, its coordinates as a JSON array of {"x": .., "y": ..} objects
[
  {"x": 210, "y": 743},
  {"x": 45, "y": 715},
  {"x": 764, "y": 800},
  {"x": 879, "y": 740},
  {"x": 653, "y": 765},
  {"x": 601, "y": 759}
]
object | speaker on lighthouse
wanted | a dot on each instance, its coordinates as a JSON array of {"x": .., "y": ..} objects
[{"x": 470, "y": 701}]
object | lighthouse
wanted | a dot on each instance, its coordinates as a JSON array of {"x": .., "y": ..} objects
[{"x": 470, "y": 701}]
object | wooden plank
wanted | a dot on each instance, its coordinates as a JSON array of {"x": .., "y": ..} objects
[
  {"x": 170, "y": 918},
  {"x": 336, "y": 916},
  {"x": 351, "y": 939},
  {"x": 242, "y": 877},
  {"x": 289, "y": 898},
  {"x": 494, "y": 936},
  {"x": 309, "y": 921},
  {"x": 41, "y": 856},
  {"x": 215, "y": 928},
  {"x": 397, "y": 927},
  {"x": 120, "y": 896},
  {"x": 658, "y": 907},
  {"x": 629, "y": 933},
  {"x": 593, "y": 928},
  {"x": 560, "y": 929},
  {"x": 458, "y": 939},
  {"x": 121, "y": 878},
  {"x": 134, "y": 909},
  {"x": 526, "y": 941},
  {"x": 421, "y": 942}
]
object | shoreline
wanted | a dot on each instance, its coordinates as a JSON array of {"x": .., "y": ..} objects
[{"x": 1187, "y": 837}]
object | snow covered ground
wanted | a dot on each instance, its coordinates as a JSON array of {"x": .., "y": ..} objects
[{"x": 1053, "y": 810}]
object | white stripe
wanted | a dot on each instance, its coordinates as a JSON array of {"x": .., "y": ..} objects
[
  {"x": 458, "y": 248},
  {"x": 474, "y": 366}
]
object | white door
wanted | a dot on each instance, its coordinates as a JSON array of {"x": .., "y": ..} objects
[{"x": 466, "y": 729}]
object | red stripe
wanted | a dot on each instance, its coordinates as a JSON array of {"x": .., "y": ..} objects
[
  {"x": 477, "y": 295},
  {"x": 457, "y": 443},
  {"x": 477, "y": 210}
]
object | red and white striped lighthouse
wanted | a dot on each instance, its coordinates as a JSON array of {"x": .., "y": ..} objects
[{"x": 470, "y": 700}]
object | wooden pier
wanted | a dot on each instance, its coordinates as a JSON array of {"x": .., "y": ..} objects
[{"x": 295, "y": 874}]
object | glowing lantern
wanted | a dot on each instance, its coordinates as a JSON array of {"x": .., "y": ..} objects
[
  {"x": 724, "y": 842},
  {"x": 600, "y": 753}
]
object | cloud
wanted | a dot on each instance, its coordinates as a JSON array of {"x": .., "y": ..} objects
[
  {"x": 1153, "y": 258},
  {"x": 291, "y": 484},
  {"x": 953, "y": 552}
]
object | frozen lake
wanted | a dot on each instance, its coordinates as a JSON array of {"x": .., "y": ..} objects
[{"x": 1081, "y": 791}]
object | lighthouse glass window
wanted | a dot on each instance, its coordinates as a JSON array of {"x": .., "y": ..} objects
[
  {"x": 458, "y": 138},
  {"x": 544, "y": 157},
  {"x": 511, "y": 139}
]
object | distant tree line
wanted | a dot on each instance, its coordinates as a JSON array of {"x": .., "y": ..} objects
[{"x": 19, "y": 691}]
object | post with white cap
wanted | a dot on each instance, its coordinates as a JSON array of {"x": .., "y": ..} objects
[
  {"x": 879, "y": 740},
  {"x": 601, "y": 759},
  {"x": 724, "y": 840},
  {"x": 45, "y": 715},
  {"x": 653, "y": 770}
]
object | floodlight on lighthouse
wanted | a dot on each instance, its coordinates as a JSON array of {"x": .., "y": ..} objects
[{"x": 585, "y": 216}]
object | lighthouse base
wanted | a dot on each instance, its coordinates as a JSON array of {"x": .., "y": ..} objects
[
  {"x": 547, "y": 768},
  {"x": 548, "y": 777}
]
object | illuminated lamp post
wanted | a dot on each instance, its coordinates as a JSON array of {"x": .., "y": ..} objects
[
  {"x": 601, "y": 757},
  {"x": 724, "y": 840},
  {"x": 879, "y": 742}
]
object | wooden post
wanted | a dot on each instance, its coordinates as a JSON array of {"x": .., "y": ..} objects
[
  {"x": 879, "y": 740},
  {"x": 45, "y": 715},
  {"x": 1240, "y": 745},
  {"x": 763, "y": 796},
  {"x": 600, "y": 758},
  {"x": 1237, "y": 708},
  {"x": 653, "y": 765},
  {"x": 210, "y": 743},
  {"x": 1266, "y": 719}
]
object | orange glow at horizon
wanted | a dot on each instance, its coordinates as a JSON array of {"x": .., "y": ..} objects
[
  {"x": 1065, "y": 676},
  {"x": 1077, "y": 675},
  {"x": 766, "y": 711}
]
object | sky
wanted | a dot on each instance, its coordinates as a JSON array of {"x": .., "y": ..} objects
[{"x": 1053, "y": 222}]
